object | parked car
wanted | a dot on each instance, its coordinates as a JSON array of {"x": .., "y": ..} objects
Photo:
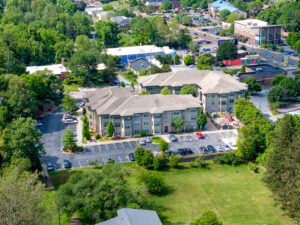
[
  {"x": 226, "y": 147},
  {"x": 169, "y": 153},
  {"x": 50, "y": 166},
  {"x": 131, "y": 156},
  {"x": 188, "y": 151},
  {"x": 148, "y": 140},
  {"x": 204, "y": 150},
  {"x": 67, "y": 164},
  {"x": 70, "y": 121},
  {"x": 181, "y": 151},
  {"x": 199, "y": 135},
  {"x": 173, "y": 138},
  {"x": 218, "y": 148},
  {"x": 211, "y": 148},
  {"x": 189, "y": 138},
  {"x": 108, "y": 159},
  {"x": 142, "y": 141},
  {"x": 69, "y": 116},
  {"x": 40, "y": 117}
]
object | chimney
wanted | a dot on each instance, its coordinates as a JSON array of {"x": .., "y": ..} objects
[{"x": 62, "y": 62}]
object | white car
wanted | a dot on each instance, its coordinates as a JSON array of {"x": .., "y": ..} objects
[
  {"x": 226, "y": 147},
  {"x": 70, "y": 121},
  {"x": 218, "y": 148},
  {"x": 142, "y": 142},
  {"x": 148, "y": 140},
  {"x": 233, "y": 146}
]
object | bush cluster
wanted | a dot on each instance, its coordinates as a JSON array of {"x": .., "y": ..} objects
[{"x": 228, "y": 159}]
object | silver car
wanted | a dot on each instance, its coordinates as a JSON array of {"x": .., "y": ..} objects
[{"x": 142, "y": 142}]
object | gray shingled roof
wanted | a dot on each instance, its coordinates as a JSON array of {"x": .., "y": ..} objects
[
  {"x": 139, "y": 64},
  {"x": 125, "y": 102},
  {"x": 208, "y": 81},
  {"x": 127, "y": 216}
]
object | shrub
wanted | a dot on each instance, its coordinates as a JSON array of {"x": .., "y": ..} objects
[
  {"x": 80, "y": 148},
  {"x": 136, "y": 136},
  {"x": 143, "y": 133},
  {"x": 163, "y": 145},
  {"x": 153, "y": 181},
  {"x": 252, "y": 166},
  {"x": 84, "y": 110},
  {"x": 174, "y": 161},
  {"x": 97, "y": 136},
  {"x": 228, "y": 158},
  {"x": 199, "y": 162},
  {"x": 159, "y": 162},
  {"x": 143, "y": 157}
]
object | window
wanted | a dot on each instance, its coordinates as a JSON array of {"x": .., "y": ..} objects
[
  {"x": 193, "y": 117},
  {"x": 105, "y": 124},
  {"x": 157, "y": 131},
  {"x": 176, "y": 112},
  {"x": 177, "y": 88},
  {"x": 117, "y": 117},
  {"x": 231, "y": 100},
  {"x": 212, "y": 103},
  {"x": 150, "y": 88},
  {"x": 157, "y": 115},
  {"x": 212, "y": 95},
  {"x": 146, "y": 130},
  {"x": 105, "y": 117},
  {"x": 91, "y": 123},
  {"x": 136, "y": 131},
  {"x": 231, "y": 94},
  {"x": 117, "y": 124},
  {"x": 136, "y": 123},
  {"x": 127, "y": 117},
  {"x": 146, "y": 122},
  {"x": 127, "y": 133},
  {"x": 127, "y": 126},
  {"x": 136, "y": 116},
  {"x": 156, "y": 123},
  {"x": 90, "y": 116},
  {"x": 146, "y": 115},
  {"x": 223, "y": 103},
  {"x": 118, "y": 133},
  {"x": 193, "y": 110},
  {"x": 224, "y": 95}
]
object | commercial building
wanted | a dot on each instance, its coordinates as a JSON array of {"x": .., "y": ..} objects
[
  {"x": 146, "y": 51},
  {"x": 248, "y": 59},
  {"x": 132, "y": 113},
  {"x": 216, "y": 7},
  {"x": 157, "y": 3},
  {"x": 258, "y": 31},
  {"x": 127, "y": 216},
  {"x": 215, "y": 89},
  {"x": 263, "y": 73},
  {"x": 57, "y": 69}
]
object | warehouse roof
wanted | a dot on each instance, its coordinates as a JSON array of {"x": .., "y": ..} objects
[
  {"x": 126, "y": 102},
  {"x": 208, "y": 81}
]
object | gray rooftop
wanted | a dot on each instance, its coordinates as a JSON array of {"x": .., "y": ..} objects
[
  {"x": 262, "y": 70},
  {"x": 121, "y": 20},
  {"x": 127, "y": 216},
  {"x": 139, "y": 64},
  {"x": 126, "y": 102},
  {"x": 209, "y": 81}
]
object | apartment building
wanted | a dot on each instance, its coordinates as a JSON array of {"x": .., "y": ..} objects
[
  {"x": 258, "y": 31},
  {"x": 215, "y": 89},
  {"x": 132, "y": 113},
  {"x": 214, "y": 8}
]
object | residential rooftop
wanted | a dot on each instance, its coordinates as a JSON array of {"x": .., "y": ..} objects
[
  {"x": 126, "y": 102},
  {"x": 138, "y": 50},
  {"x": 55, "y": 69},
  {"x": 261, "y": 70},
  {"x": 127, "y": 216},
  {"x": 139, "y": 64},
  {"x": 209, "y": 81}
]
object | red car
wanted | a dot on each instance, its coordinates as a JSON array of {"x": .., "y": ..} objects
[
  {"x": 40, "y": 117},
  {"x": 199, "y": 135}
]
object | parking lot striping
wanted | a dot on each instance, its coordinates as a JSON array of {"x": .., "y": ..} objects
[
  {"x": 87, "y": 162},
  {"x": 99, "y": 147},
  {"x": 79, "y": 163},
  {"x": 120, "y": 159}
]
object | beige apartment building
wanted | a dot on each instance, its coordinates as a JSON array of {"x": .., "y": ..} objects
[
  {"x": 132, "y": 113},
  {"x": 215, "y": 89}
]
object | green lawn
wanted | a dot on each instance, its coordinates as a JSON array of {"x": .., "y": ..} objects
[
  {"x": 236, "y": 195},
  {"x": 70, "y": 87}
]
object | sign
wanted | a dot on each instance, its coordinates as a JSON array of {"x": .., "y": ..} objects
[{"x": 286, "y": 58}]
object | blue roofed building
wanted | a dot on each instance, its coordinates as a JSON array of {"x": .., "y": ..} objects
[{"x": 216, "y": 7}]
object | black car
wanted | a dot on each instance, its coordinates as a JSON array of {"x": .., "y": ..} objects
[
  {"x": 67, "y": 164},
  {"x": 211, "y": 148},
  {"x": 188, "y": 151},
  {"x": 181, "y": 151},
  {"x": 131, "y": 156},
  {"x": 204, "y": 150}
]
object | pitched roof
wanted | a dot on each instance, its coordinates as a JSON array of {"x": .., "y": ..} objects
[
  {"x": 139, "y": 64},
  {"x": 121, "y": 20},
  {"x": 125, "y": 102},
  {"x": 208, "y": 81},
  {"x": 127, "y": 216},
  {"x": 222, "y": 5}
]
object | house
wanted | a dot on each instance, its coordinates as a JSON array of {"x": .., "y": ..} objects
[
  {"x": 157, "y": 3},
  {"x": 57, "y": 69},
  {"x": 92, "y": 10},
  {"x": 145, "y": 51},
  {"x": 263, "y": 73},
  {"x": 215, "y": 89},
  {"x": 258, "y": 31},
  {"x": 127, "y": 216},
  {"x": 138, "y": 64},
  {"x": 122, "y": 21},
  {"x": 132, "y": 113},
  {"x": 216, "y": 7}
]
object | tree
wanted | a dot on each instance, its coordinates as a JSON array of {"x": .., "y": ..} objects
[
  {"x": 68, "y": 103},
  {"x": 206, "y": 59},
  {"x": 159, "y": 161},
  {"x": 243, "y": 69},
  {"x": 194, "y": 47},
  {"x": 178, "y": 123},
  {"x": 208, "y": 218},
  {"x": 175, "y": 59},
  {"x": 174, "y": 161},
  {"x": 153, "y": 181},
  {"x": 5, "y": 117},
  {"x": 277, "y": 79},
  {"x": 22, "y": 196},
  {"x": 201, "y": 119},
  {"x": 233, "y": 17},
  {"x": 283, "y": 165},
  {"x": 143, "y": 157},
  {"x": 165, "y": 91},
  {"x": 122, "y": 84},
  {"x": 108, "y": 7},
  {"x": 97, "y": 196},
  {"x": 224, "y": 14},
  {"x": 188, "y": 90},
  {"x": 188, "y": 60},
  {"x": 166, "y": 6},
  {"x": 163, "y": 145},
  {"x": 19, "y": 140},
  {"x": 85, "y": 128},
  {"x": 253, "y": 85},
  {"x": 226, "y": 50},
  {"x": 68, "y": 140},
  {"x": 110, "y": 129},
  {"x": 289, "y": 87},
  {"x": 275, "y": 94}
]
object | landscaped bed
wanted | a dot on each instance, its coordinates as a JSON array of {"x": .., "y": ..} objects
[{"x": 235, "y": 194}]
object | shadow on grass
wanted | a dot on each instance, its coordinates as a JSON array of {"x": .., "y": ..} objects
[{"x": 61, "y": 177}]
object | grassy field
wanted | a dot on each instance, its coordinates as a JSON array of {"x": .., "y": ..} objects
[
  {"x": 71, "y": 87},
  {"x": 236, "y": 195}
]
